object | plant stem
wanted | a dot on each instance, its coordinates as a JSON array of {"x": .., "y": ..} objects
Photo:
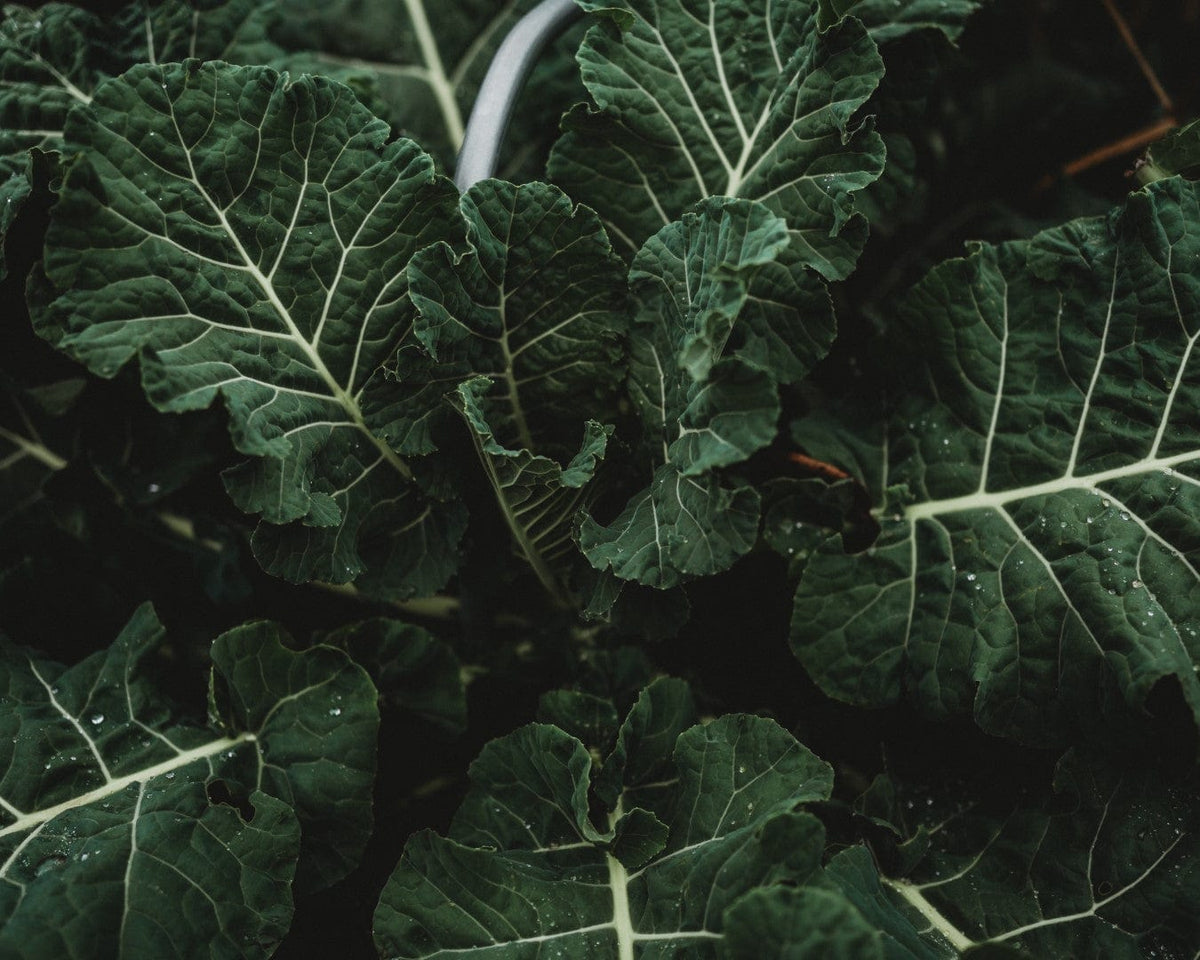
[
  {"x": 1126, "y": 144},
  {"x": 432, "y": 608},
  {"x": 1131, "y": 43}
]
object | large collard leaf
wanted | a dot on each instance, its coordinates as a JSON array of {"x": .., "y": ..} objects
[
  {"x": 724, "y": 315},
  {"x": 428, "y": 61},
  {"x": 246, "y": 235},
  {"x": 1039, "y": 547},
  {"x": 526, "y": 329},
  {"x": 53, "y": 57},
  {"x": 1106, "y": 867},
  {"x": 537, "y": 303},
  {"x": 114, "y": 836},
  {"x": 889, "y": 19},
  {"x": 702, "y": 815},
  {"x": 163, "y": 31},
  {"x": 696, "y": 99}
]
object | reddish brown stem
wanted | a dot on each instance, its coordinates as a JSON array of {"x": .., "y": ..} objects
[
  {"x": 1127, "y": 144},
  {"x": 819, "y": 467}
]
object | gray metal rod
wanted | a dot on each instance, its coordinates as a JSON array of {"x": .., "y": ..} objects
[{"x": 480, "y": 153}]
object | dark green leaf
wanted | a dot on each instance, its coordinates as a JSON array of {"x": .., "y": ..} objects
[
  {"x": 1038, "y": 557},
  {"x": 745, "y": 100},
  {"x": 246, "y": 235},
  {"x": 525, "y": 870},
  {"x": 117, "y": 841}
]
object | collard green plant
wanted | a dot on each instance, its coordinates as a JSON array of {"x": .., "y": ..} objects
[
  {"x": 702, "y": 384},
  {"x": 1037, "y": 554}
]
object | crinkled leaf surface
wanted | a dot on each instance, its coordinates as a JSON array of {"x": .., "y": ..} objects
[
  {"x": 50, "y": 60},
  {"x": 524, "y": 871},
  {"x": 888, "y": 19},
  {"x": 246, "y": 235},
  {"x": 1107, "y": 866},
  {"x": 723, "y": 316},
  {"x": 695, "y": 99},
  {"x": 537, "y": 303},
  {"x": 112, "y": 845},
  {"x": 540, "y": 498},
  {"x": 1040, "y": 544},
  {"x": 526, "y": 329},
  {"x": 54, "y": 56}
]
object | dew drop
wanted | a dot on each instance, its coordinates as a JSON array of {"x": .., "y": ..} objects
[
  {"x": 335, "y": 712},
  {"x": 97, "y": 720},
  {"x": 1136, "y": 584}
]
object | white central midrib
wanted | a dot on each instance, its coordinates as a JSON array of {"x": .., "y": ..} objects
[
  {"x": 340, "y": 396},
  {"x": 618, "y": 882},
  {"x": 985, "y": 501},
  {"x": 622, "y": 922},
  {"x": 439, "y": 83},
  {"x": 913, "y": 896},
  {"x": 116, "y": 785},
  {"x": 520, "y": 534}
]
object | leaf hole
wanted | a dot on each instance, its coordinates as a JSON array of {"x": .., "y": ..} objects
[{"x": 220, "y": 794}]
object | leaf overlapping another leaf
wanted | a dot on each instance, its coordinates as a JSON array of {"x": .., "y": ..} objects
[
  {"x": 724, "y": 316},
  {"x": 696, "y": 99},
  {"x": 697, "y": 816},
  {"x": 1038, "y": 558},
  {"x": 106, "y": 797},
  {"x": 525, "y": 330},
  {"x": 246, "y": 235},
  {"x": 1102, "y": 865}
]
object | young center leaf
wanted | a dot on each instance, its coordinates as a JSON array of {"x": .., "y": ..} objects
[
  {"x": 724, "y": 315},
  {"x": 694, "y": 818},
  {"x": 526, "y": 328},
  {"x": 127, "y": 831},
  {"x": 246, "y": 235},
  {"x": 1106, "y": 865},
  {"x": 696, "y": 99},
  {"x": 1039, "y": 560}
]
